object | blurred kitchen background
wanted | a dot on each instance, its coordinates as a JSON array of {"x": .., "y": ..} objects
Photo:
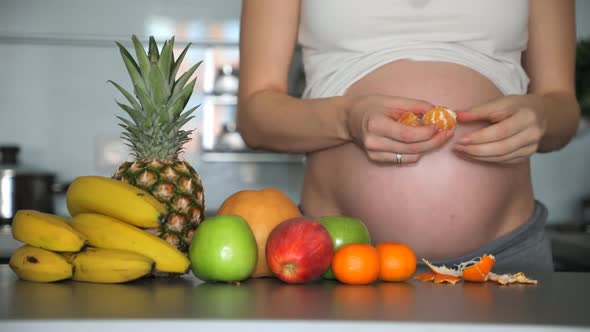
[{"x": 58, "y": 113}]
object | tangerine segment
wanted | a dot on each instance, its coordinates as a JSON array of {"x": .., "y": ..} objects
[
  {"x": 397, "y": 262},
  {"x": 478, "y": 272},
  {"x": 443, "y": 117},
  {"x": 356, "y": 264},
  {"x": 409, "y": 119}
]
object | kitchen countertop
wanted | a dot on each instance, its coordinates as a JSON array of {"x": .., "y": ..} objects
[{"x": 559, "y": 302}]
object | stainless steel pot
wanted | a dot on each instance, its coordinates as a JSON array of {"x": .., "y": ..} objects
[{"x": 24, "y": 188}]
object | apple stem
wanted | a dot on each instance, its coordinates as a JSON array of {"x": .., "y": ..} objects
[{"x": 290, "y": 268}]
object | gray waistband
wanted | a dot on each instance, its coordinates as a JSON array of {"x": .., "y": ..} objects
[{"x": 511, "y": 244}]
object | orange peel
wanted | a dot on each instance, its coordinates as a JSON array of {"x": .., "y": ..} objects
[
  {"x": 437, "y": 278},
  {"x": 506, "y": 279},
  {"x": 479, "y": 270},
  {"x": 441, "y": 278},
  {"x": 428, "y": 276},
  {"x": 476, "y": 270},
  {"x": 443, "y": 269}
]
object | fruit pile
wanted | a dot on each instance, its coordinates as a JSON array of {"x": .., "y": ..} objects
[
  {"x": 105, "y": 240},
  {"x": 261, "y": 233}
]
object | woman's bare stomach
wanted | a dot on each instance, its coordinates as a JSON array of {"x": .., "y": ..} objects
[{"x": 444, "y": 206}]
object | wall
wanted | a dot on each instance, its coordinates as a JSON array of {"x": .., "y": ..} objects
[{"x": 57, "y": 55}]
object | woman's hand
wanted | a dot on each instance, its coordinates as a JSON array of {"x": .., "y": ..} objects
[
  {"x": 518, "y": 125},
  {"x": 371, "y": 123}
]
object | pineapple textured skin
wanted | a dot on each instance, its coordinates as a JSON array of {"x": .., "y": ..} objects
[{"x": 176, "y": 184}]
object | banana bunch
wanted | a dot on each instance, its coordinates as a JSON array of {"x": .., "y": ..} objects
[
  {"x": 108, "y": 265},
  {"x": 102, "y": 195},
  {"x": 105, "y": 241}
]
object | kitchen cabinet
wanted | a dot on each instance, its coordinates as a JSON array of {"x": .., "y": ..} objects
[{"x": 557, "y": 303}]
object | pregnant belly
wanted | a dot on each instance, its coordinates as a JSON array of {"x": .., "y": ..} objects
[{"x": 443, "y": 206}]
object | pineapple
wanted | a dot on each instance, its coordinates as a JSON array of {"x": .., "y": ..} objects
[{"x": 155, "y": 138}]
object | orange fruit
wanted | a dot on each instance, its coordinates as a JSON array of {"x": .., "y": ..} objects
[
  {"x": 409, "y": 119},
  {"x": 397, "y": 262},
  {"x": 263, "y": 210},
  {"x": 443, "y": 117},
  {"x": 356, "y": 264}
]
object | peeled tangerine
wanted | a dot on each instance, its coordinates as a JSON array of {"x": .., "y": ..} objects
[
  {"x": 410, "y": 119},
  {"x": 443, "y": 117}
]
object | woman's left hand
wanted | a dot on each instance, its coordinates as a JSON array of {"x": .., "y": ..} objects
[{"x": 518, "y": 124}]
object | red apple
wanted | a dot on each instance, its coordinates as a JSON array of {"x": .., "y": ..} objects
[{"x": 299, "y": 250}]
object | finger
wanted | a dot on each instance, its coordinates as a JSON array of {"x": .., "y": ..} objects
[
  {"x": 399, "y": 132},
  {"x": 391, "y": 157},
  {"x": 512, "y": 157},
  {"x": 499, "y": 147},
  {"x": 468, "y": 116},
  {"x": 400, "y": 105},
  {"x": 496, "y": 132},
  {"x": 384, "y": 144},
  {"x": 499, "y": 151},
  {"x": 494, "y": 111}
]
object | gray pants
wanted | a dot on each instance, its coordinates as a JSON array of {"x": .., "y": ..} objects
[{"x": 525, "y": 249}]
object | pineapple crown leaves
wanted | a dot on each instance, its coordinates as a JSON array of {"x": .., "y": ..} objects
[{"x": 157, "y": 111}]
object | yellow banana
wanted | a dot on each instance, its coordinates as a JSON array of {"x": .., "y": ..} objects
[
  {"x": 36, "y": 264},
  {"x": 47, "y": 231},
  {"x": 108, "y": 265},
  {"x": 114, "y": 198},
  {"x": 107, "y": 232}
]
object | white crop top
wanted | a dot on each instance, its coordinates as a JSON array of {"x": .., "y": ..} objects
[{"x": 343, "y": 40}]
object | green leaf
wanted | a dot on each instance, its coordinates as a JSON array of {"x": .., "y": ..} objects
[
  {"x": 177, "y": 64},
  {"x": 127, "y": 95},
  {"x": 142, "y": 58},
  {"x": 153, "y": 51},
  {"x": 128, "y": 124},
  {"x": 173, "y": 127},
  {"x": 158, "y": 86},
  {"x": 138, "y": 83},
  {"x": 167, "y": 59},
  {"x": 135, "y": 115},
  {"x": 182, "y": 122},
  {"x": 185, "y": 116},
  {"x": 180, "y": 100},
  {"x": 178, "y": 85},
  {"x": 126, "y": 55}
]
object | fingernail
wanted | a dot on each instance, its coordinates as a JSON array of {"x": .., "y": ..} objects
[
  {"x": 459, "y": 148},
  {"x": 450, "y": 133},
  {"x": 465, "y": 140}
]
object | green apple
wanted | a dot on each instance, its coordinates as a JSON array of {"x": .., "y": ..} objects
[
  {"x": 223, "y": 248},
  {"x": 344, "y": 230}
]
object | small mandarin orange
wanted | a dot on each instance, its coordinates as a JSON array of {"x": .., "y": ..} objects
[
  {"x": 409, "y": 119},
  {"x": 397, "y": 262},
  {"x": 356, "y": 264},
  {"x": 443, "y": 117}
]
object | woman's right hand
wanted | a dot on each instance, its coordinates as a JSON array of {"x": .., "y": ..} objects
[{"x": 372, "y": 124}]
